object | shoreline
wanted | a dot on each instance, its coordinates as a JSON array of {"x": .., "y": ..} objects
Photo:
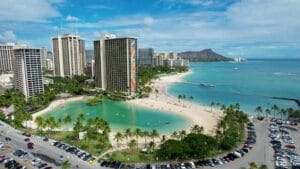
[
  {"x": 193, "y": 112},
  {"x": 162, "y": 101},
  {"x": 54, "y": 104}
]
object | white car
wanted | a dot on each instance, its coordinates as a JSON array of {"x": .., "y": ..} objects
[
  {"x": 182, "y": 166},
  {"x": 192, "y": 164},
  {"x": 237, "y": 154},
  {"x": 36, "y": 161}
]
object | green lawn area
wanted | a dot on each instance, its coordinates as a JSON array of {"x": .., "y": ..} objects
[
  {"x": 132, "y": 157},
  {"x": 94, "y": 146}
]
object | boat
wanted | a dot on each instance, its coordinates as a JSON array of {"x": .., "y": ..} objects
[
  {"x": 239, "y": 59},
  {"x": 206, "y": 85}
]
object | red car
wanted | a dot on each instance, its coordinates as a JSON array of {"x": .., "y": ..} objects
[
  {"x": 30, "y": 145},
  {"x": 290, "y": 146}
]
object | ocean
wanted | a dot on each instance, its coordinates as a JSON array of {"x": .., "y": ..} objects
[{"x": 252, "y": 83}]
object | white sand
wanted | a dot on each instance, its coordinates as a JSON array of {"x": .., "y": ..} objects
[
  {"x": 54, "y": 104},
  {"x": 195, "y": 113}
]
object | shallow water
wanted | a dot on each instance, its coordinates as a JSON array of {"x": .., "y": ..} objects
[
  {"x": 121, "y": 115},
  {"x": 250, "y": 84}
]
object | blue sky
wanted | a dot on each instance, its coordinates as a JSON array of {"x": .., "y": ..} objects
[{"x": 243, "y": 28}]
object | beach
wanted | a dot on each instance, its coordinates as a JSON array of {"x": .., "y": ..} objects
[
  {"x": 195, "y": 113},
  {"x": 54, "y": 104}
]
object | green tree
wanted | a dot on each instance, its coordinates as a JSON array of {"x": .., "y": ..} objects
[
  {"x": 66, "y": 165},
  {"x": 179, "y": 98},
  {"x": 275, "y": 109},
  {"x": 151, "y": 146},
  {"x": 40, "y": 122},
  {"x": 212, "y": 104},
  {"x": 182, "y": 134},
  {"x": 137, "y": 133},
  {"x": 154, "y": 134},
  {"x": 118, "y": 137},
  {"x": 196, "y": 129},
  {"x": 132, "y": 144},
  {"x": 258, "y": 110},
  {"x": 128, "y": 133},
  {"x": 156, "y": 92},
  {"x": 67, "y": 119},
  {"x": 268, "y": 112},
  {"x": 175, "y": 135}
]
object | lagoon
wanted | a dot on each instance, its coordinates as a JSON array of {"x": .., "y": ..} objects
[{"x": 121, "y": 115}]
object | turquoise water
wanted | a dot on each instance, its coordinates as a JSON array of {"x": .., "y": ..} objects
[
  {"x": 121, "y": 116},
  {"x": 250, "y": 84}
]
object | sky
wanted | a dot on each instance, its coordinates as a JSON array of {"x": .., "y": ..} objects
[{"x": 233, "y": 28}]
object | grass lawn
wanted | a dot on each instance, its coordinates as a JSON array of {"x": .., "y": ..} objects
[
  {"x": 94, "y": 146},
  {"x": 132, "y": 156}
]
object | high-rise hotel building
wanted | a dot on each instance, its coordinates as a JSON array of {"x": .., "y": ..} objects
[
  {"x": 6, "y": 56},
  {"x": 28, "y": 77},
  {"x": 116, "y": 64},
  {"x": 68, "y": 55},
  {"x": 146, "y": 56}
]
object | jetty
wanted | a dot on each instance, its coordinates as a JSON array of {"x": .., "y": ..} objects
[{"x": 289, "y": 99}]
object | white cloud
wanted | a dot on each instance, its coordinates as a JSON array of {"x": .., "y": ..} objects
[
  {"x": 258, "y": 23},
  {"x": 7, "y": 36},
  {"x": 28, "y": 10},
  {"x": 98, "y": 7},
  {"x": 148, "y": 20},
  {"x": 72, "y": 18},
  {"x": 133, "y": 20}
]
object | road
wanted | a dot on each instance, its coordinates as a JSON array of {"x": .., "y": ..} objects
[{"x": 41, "y": 147}]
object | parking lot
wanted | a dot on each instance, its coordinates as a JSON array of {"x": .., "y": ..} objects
[{"x": 258, "y": 148}]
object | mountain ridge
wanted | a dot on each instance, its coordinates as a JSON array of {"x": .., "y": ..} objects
[{"x": 206, "y": 55}]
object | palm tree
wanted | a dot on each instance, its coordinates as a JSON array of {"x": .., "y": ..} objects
[
  {"x": 118, "y": 137},
  {"x": 258, "y": 110},
  {"x": 268, "y": 112},
  {"x": 179, "y": 97},
  {"x": 132, "y": 144},
  {"x": 175, "y": 135},
  {"x": 128, "y": 133},
  {"x": 156, "y": 92},
  {"x": 51, "y": 122},
  {"x": 252, "y": 165},
  {"x": 152, "y": 145},
  {"x": 154, "y": 134},
  {"x": 191, "y": 99},
  {"x": 223, "y": 107},
  {"x": 81, "y": 117},
  {"x": 67, "y": 119},
  {"x": 40, "y": 121},
  {"x": 145, "y": 135},
  {"x": 282, "y": 113},
  {"x": 263, "y": 166},
  {"x": 275, "y": 109},
  {"x": 59, "y": 123},
  {"x": 182, "y": 134},
  {"x": 137, "y": 133},
  {"x": 196, "y": 129},
  {"x": 290, "y": 111},
  {"x": 66, "y": 165},
  {"x": 212, "y": 104}
]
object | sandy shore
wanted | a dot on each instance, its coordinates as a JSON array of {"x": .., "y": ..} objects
[
  {"x": 195, "y": 113},
  {"x": 53, "y": 105}
]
